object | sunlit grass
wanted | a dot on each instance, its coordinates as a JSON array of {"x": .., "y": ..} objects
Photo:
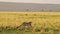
[{"x": 42, "y": 22}]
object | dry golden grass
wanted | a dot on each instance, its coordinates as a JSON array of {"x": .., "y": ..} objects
[{"x": 48, "y": 19}]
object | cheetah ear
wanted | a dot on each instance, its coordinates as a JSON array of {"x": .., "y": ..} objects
[{"x": 30, "y": 22}]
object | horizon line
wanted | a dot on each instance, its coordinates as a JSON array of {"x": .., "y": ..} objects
[{"x": 29, "y": 2}]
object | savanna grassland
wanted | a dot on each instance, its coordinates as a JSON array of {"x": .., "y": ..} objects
[{"x": 42, "y": 22}]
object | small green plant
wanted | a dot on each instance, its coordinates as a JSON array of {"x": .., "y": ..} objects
[
  {"x": 46, "y": 29},
  {"x": 37, "y": 29},
  {"x": 56, "y": 31}
]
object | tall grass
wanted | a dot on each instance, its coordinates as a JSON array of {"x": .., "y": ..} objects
[{"x": 42, "y": 23}]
